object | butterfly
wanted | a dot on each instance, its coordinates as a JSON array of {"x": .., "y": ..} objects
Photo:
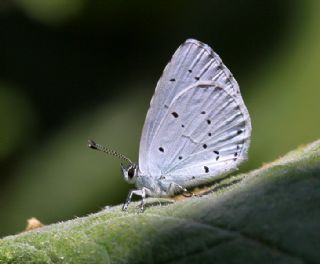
[{"x": 197, "y": 128}]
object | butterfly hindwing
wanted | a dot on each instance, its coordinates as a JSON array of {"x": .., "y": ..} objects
[{"x": 205, "y": 133}]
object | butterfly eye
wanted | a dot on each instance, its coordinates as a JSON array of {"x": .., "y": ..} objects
[{"x": 131, "y": 173}]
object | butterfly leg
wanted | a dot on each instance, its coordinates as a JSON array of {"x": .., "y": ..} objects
[
  {"x": 143, "y": 196},
  {"x": 141, "y": 193}
]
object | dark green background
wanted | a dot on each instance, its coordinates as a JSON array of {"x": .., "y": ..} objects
[{"x": 79, "y": 69}]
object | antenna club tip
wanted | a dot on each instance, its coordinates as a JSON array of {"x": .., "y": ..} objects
[{"x": 92, "y": 144}]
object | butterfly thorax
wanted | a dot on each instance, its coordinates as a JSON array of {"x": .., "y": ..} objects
[{"x": 157, "y": 186}]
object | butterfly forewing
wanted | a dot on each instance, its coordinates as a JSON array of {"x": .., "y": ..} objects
[{"x": 195, "y": 110}]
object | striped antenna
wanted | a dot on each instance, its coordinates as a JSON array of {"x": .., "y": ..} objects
[{"x": 94, "y": 145}]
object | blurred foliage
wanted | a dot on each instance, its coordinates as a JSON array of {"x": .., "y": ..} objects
[
  {"x": 51, "y": 12},
  {"x": 16, "y": 115},
  {"x": 74, "y": 70}
]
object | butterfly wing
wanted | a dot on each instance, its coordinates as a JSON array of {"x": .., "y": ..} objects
[
  {"x": 193, "y": 65},
  {"x": 204, "y": 134}
]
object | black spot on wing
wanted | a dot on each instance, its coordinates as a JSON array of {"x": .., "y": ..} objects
[
  {"x": 161, "y": 149},
  {"x": 190, "y": 71},
  {"x": 197, "y": 78},
  {"x": 208, "y": 121},
  {"x": 204, "y": 146},
  {"x": 203, "y": 112},
  {"x": 217, "y": 157},
  {"x": 175, "y": 114},
  {"x": 219, "y": 67},
  {"x": 180, "y": 157},
  {"x": 209, "y": 134},
  {"x": 239, "y": 131},
  {"x": 206, "y": 169},
  {"x": 172, "y": 80},
  {"x": 216, "y": 152}
]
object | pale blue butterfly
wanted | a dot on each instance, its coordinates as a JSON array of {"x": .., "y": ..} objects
[{"x": 197, "y": 128}]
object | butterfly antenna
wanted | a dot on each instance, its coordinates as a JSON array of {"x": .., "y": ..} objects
[{"x": 94, "y": 145}]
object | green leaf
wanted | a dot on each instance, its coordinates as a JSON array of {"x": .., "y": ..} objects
[{"x": 269, "y": 215}]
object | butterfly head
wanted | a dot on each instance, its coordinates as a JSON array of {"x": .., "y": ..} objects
[{"x": 129, "y": 172}]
